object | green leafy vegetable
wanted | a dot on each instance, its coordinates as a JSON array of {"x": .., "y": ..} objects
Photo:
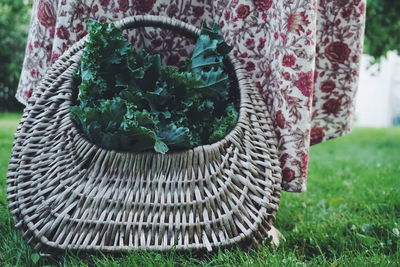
[
  {"x": 207, "y": 61},
  {"x": 223, "y": 125},
  {"x": 129, "y": 101}
]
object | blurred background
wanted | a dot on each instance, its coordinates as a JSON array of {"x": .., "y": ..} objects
[
  {"x": 378, "y": 99},
  {"x": 14, "y": 26}
]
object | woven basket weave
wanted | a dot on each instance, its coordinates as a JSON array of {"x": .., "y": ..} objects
[{"x": 67, "y": 193}]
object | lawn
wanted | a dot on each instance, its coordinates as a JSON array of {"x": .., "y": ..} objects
[{"x": 350, "y": 215}]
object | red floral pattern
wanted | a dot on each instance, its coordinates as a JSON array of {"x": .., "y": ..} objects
[
  {"x": 337, "y": 52},
  {"x": 328, "y": 86},
  {"x": 302, "y": 55},
  {"x": 305, "y": 83},
  {"x": 243, "y": 11},
  {"x": 332, "y": 106},
  {"x": 280, "y": 119},
  {"x": 104, "y": 3},
  {"x": 63, "y": 33},
  {"x": 46, "y": 13},
  {"x": 288, "y": 60},
  {"x": 263, "y": 5},
  {"x": 288, "y": 174},
  {"x": 317, "y": 135},
  {"x": 123, "y": 5},
  {"x": 297, "y": 21},
  {"x": 144, "y": 5},
  {"x": 198, "y": 11}
]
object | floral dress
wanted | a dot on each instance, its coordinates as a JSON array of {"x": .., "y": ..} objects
[{"x": 302, "y": 55}]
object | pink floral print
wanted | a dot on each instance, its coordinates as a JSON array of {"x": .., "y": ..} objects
[{"x": 302, "y": 56}]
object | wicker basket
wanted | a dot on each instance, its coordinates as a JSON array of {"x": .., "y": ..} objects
[{"x": 67, "y": 193}]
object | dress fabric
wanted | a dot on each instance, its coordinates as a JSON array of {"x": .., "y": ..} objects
[{"x": 302, "y": 55}]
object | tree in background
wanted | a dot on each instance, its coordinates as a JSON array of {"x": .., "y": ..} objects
[
  {"x": 14, "y": 24},
  {"x": 382, "y": 32}
]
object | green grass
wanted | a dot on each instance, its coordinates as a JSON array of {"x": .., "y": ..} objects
[{"x": 349, "y": 216}]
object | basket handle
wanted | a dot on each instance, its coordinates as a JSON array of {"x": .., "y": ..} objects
[{"x": 175, "y": 25}]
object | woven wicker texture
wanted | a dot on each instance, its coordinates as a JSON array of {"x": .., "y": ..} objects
[{"x": 67, "y": 193}]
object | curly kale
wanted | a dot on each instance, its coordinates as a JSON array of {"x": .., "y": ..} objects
[{"x": 129, "y": 101}]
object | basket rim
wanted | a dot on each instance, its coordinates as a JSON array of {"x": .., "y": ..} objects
[{"x": 240, "y": 79}]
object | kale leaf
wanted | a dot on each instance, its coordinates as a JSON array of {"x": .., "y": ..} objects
[{"x": 208, "y": 61}]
